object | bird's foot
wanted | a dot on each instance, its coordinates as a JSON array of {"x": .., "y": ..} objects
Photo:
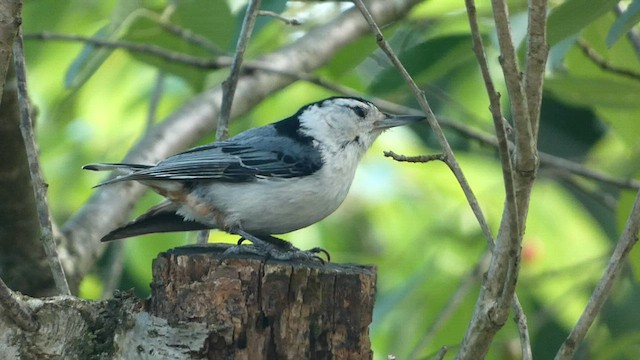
[{"x": 275, "y": 248}]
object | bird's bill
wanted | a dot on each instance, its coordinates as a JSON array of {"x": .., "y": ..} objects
[{"x": 398, "y": 120}]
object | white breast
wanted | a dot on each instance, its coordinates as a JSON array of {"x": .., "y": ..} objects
[{"x": 277, "y": 206}]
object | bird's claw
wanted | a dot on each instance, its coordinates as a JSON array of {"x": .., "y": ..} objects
[
  {"x": 274, "y": 252},
  {"x": 318, "y": 250}
]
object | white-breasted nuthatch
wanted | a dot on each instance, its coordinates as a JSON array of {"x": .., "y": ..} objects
[{"x": 268, "y": 180}]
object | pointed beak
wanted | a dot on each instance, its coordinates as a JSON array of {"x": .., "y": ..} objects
[{"x": 397, "y": 120}]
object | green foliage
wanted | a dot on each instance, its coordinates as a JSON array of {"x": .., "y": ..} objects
[
  {"x": 629, "y": 18},
  {"x": 574, "y": 15},
  {"x": 410, "y": 220}
]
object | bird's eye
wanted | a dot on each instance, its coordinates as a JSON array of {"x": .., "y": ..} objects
[{"x": 358, "y": 110}]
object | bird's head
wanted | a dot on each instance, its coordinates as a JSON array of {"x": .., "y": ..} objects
[{"x": 344, "y": 122}]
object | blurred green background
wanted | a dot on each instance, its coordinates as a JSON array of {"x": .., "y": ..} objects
[{"x": 410, "y": 220}]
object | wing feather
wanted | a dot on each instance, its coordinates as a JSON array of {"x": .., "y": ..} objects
[{"x": 242, "y": 158}]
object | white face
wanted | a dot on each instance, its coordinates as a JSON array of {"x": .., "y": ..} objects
[{"x": 338, "y": 123}]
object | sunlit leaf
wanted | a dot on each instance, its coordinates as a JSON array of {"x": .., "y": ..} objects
[
  {"x": 428, "y": 60},
  {"x": 595, "y": 91},
  {"x": 207, "y": 18},
  {"x": 573, "y": 15},
  {"x": 624, "y": 23},
  {"x": 92, "y": 57},
  {"x": 146, "y": 28}
]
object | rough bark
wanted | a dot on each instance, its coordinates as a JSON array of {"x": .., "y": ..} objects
[
  {"x": 23, "y": 263},
  {"x": 259, "y": 309},
  {"x": 205, "y": 305}
]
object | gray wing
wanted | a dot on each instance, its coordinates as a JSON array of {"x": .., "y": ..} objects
[{"x": 257, "y": 153}]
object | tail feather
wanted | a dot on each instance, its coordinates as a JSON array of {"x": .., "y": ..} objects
[
  {"x": 121, "y": 169},
  {"x": 114, "y": 166},
  {"x": 159, "y": 219}
]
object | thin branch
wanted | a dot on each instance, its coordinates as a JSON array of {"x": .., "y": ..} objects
[
  {"x": 581, "y": 170},
  {"x": 498, "y": 122},
  {"x": 433, "y": 122},
  {"x": 415, "y": 159},
  {"x": 617, "y": 261},
  {"x": 526, "y": 159},
  {"x": 15, "y": 308},
  {"x": 537, "y": 53},
  {"x": 229, "y": 85},
  {"x": 523, "y": 329},
  {"x": 596, "y": 58},
  {"x": 441, "y": 353},
  {"x": 500, "y": 287},
  {"x": 292, "y": 22},
  {"x": 39, "y": 186},
  {"x": 147, "y": 49}
]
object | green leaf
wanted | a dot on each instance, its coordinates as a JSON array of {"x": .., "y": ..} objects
[
  {"x": 593, "y": 92},
  {"x": 146, "y": 28},
  {"x": 91, "y": 57},
  {"x": 88, "y": 61},
  {"x": 429, "y": 60},
  {"x": 350, "y": 56},
  {"x": 210, "y": 19},
  {"x": 573, "y": 15},
  {"x": 624, "y": 23}
]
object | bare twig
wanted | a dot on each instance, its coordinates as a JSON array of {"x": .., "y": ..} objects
[
  {"x": 433, "y": 122},
  {"x": 510, "y": 214},
  {"x": 147, "y": 49},
  {"x": 627, "y": 240},
  {"x": 523, "y": 329},
  {"x": 39, "y": 186},
  {"x": 537, "y": 53},
  {"x": 415, "y": 159},
  {"x": 229, "y": 86},
  {"x": 441, "y": 353},
  {"x": 498, "y": 289},
  {"x": 597, "y": 59},
  {"x": 498, "y": 122},
  {"x": 292, "y": 22},
  {"x": 16, "y": 310},
  {"x": 526, "y": 159}
]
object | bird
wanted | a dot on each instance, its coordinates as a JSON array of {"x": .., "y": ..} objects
[{"x": 265, "y": 181}]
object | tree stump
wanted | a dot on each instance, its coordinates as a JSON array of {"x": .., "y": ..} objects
[{"x": 265, "y": 309}]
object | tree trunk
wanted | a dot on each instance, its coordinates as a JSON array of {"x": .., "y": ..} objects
[
  {"x": 204, "y": 305},
  {"x": 259, "y": 309}
]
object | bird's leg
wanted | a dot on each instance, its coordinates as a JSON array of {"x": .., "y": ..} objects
[{"x": 274, "y": 247}]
